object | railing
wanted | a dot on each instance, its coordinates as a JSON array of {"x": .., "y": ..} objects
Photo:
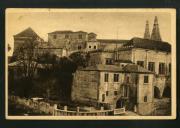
[
  {"x": 102, "y": 112},
  {"x": 53, "y": 110}
]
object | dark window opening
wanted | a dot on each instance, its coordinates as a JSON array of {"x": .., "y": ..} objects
[
  {"x": 54, "y": 36},
  {"x": 109, "y": 61},
  {"x": 80, "y": 36},
  {"x": 170, "y": 68},
  {"x": 125, "y": 91},
  {"x": 106, "y": 77},
  {"x": 145, "y": 99},
  {"x": 127, "y": 79},
  {"x": 146, "y": 79},
  {"x": 115, "y": 93},
  {"x": 94, "y": 47},
  {"x": 151, "y": 66},
  {"x": 136, "y": 79},
  {"x": 79, "y": 47},
  {"x": 89, "y": 46},
  {"x": 66, "y": 36},
  {"x": 161, "y": 68},
  {"x": 107, "y": 93},
  {"x": 140, "y": 63},
  {"x": 103, "y": 97},
  {"x": 116, "y": 77}
]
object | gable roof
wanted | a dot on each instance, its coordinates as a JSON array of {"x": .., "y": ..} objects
[
  {"x": 148, "y": 44},
  {"x": 29, "y": 32}
]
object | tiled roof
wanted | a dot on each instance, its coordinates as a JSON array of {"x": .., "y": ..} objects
[
  {"x": 65, "y": 32},
  {"x": 102, "y": 67},
  {"x": 29, "y": 32},
  {"x": 130, "y": 68},
  {"x": 111, "y": 41},
  {"x": 92, "y": 33},
  {"x": 148, "y": 44},
  {"x": 135, "y": 69}
]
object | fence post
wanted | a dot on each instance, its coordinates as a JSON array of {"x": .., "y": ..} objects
[
  {"x": 77, "y": 109},
  {"x": 102, "y": 108},
  {"x": 55, "y": 107},
  {"x": 90, "y": 109},
  {"x": 65, "y": 108}
]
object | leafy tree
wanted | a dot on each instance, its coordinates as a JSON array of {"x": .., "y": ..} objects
[{"x": 80, "y": 58}]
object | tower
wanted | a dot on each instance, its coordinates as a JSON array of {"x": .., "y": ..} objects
[
  {"x": 155, "y": 35},
  {"x": 146, "y": 33}
]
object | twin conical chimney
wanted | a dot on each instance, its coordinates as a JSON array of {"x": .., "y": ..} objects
[{"x": 155, "y": 35}]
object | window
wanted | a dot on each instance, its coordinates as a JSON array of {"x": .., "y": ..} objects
[
  {"x": 151, "y": 66},
  {"x": 140, "y": 63},
  {"x": 79, "y": 47},
  {"x": 94, "y": 47},
  {"x": 109, "y": 61},
  {"x": 146, "y": 79},
  {"x": 54, "y": 36},
  {"x": 161, "y": 68},
  {"x": 80, "y": 36},
  {"x": 125, "y": 91},
  {"x": 106, "y": 77},
  {"x": 116, "y": 77},
  {"x": 66, "y": 36},
  {"x": 170, "y": 68},
  {"x": 136, "y": 79},
  {"x": 89, "y": 46},
  {"x": 103, "y": 97},
  {"x": 127, "y": 79},
  {"x": 115, "y": 93},
  {"x": 145, "y": 99},
  {"x": 107, "y": 93}
]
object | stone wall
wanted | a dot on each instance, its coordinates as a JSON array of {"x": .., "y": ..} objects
[
  {"x": 71, "y": 43},
  {"x": 85, "y": 86},
  {"x": 125, "y": 55},
  {"x": 152, "y": 56},
  {"x": 111, "y": 87},
  {"x": 145, "y": 108},
  {"x": 98, "y": 57},
  {"x": 145, "y": 90}
]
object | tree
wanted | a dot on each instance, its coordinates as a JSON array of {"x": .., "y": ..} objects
[
  {"x": 27, "y": 56},
  {"x": 81, "y": 59}
]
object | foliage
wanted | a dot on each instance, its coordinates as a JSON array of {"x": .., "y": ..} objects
[{"x": 80, "y": 59}]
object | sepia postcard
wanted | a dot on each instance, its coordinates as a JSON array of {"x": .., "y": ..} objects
[{"x": 90, "y": 64}]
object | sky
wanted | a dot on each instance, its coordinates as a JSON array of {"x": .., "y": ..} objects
[{"x": 106, "y": 24}]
